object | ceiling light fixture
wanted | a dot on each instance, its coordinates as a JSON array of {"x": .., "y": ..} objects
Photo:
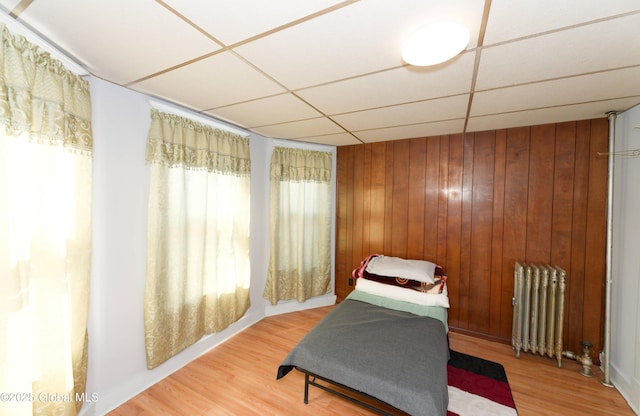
[{"x": 435, "y": 43}]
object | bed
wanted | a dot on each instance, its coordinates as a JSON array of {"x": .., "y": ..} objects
[{"x": 386, "y": 341}]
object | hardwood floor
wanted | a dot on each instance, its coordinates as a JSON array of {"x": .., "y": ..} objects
[{"x": 239, "y": 378}]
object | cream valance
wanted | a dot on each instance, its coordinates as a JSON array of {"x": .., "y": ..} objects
[
  {"x": 39, "y": 97},
  {"x": 178, "y": 141},
  {"x": 299, "y": 165}
]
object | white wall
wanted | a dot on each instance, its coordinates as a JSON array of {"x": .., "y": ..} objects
[
  {"x": 117, "y": 364},
  {"x": 625, "y": 327}
]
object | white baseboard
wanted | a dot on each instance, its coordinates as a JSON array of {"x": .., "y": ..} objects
[
  {"x": 628, "y": 388},
  {"x": 118, "y": 395},
  {"x": 293, "y": 305}
]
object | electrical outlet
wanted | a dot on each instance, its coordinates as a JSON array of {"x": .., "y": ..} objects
[{"x": 351, "y": 281}]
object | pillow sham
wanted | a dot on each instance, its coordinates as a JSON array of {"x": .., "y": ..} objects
[
  {"x": 420, "y": 270},
  {"x": 435, "y": 287}
]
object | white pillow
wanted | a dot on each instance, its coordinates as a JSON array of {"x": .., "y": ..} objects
[
  {"x": 420, "y": 270},
  {"x": 404, "y": 294}
]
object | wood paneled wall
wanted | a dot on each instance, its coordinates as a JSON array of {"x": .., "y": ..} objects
[{"x": 476, "y": 204}]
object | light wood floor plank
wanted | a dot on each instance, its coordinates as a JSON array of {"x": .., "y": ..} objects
[{"x": 239, "y": 378}]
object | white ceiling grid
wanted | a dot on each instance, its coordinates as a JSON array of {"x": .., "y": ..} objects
[{"x": 330, "y": 71}]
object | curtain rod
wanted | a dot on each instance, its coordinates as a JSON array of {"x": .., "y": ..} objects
[
  {"x": 193, "y": 115},
  {"x": 32, "y": 36}
]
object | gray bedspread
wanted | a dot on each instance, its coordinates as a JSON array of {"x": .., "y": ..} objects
[{"x": 395, "y": 356}]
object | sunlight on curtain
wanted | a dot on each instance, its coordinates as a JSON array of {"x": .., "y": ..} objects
[
  {"x": 45, "y": 231},
  {"x": 198, "y": 239},
  {"x": 300, "y": 263}
]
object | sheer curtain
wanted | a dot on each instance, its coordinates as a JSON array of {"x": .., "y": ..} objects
[
  {"x": 45, "y": 237},
  {"x": 300, "y": 262},
  {"x": 198, "y": 238}
]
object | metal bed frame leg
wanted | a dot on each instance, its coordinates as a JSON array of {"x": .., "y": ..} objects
[
  {"x": 306, "y": 389},
  {"x": 308, "y": 381}
]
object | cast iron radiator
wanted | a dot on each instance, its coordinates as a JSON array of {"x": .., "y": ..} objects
[{"x": 538, "y": 310}]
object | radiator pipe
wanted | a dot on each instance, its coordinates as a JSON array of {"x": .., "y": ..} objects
[
  {"x": 606, "y": 364},
  {"x": 584, "y": 359}
]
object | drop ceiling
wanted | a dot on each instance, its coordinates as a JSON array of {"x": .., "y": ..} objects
[{"x": 330, "y": 72}]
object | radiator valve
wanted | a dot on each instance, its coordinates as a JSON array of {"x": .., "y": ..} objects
[{"x": 584, "y": 359}]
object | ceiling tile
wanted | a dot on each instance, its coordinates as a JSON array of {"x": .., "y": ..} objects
[
  {"x": 399, "y": 85},
  {"x": 560, "y": 114},
  {"x": 9, "y": 4},
  {"x": 597, "y": 47},
  {"x": 581, "y": 89},
  {"x": 300, "y": 129},
  {"x": 118, "y": 40},
  {"x": 416, "y": 130},
  {"x": 232, "y": 21},
  {"x": 361, "y": 38},
  {"x": 330, "y": 71},
  {"x": 270, "y": 110},
  {"x": 424, "y": 111},
  {"x": 340, "y": 139},
  {"x": 222, "y": 79},
  {"x": 508, "y": 21}
]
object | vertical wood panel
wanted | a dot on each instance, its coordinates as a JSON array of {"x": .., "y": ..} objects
[
  {"x": 514, "y": 220},
  {"x": 432, "y": 200},
  {"x": 344, "y": 196},
  {"x": 367, "y": 168},
  {"x": 498, "y": 301},
  {"x": 465, "y": 231},
  {"x": 579, "y": 232},
  {"x": 416, "y": 197},
  {"x": 359, "y": 206},
  {"x": 443, "y": 200},
  {"x": 478, "y": 203},
  {"x": 563, "y": 195},
  {"x": 539, "y": 200},
  {"x": 481, "y": 232},
  {"x": 388, "y": 198},
  {"x": 378, "y": 187},
  {"x": 562, "y": 223},
  {"x": 400, "y": 193},
  {"x": 454, "y": 224}
]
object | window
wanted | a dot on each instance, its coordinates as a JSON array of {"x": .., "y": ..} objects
[
  {"x": 45, "y": 231},
  {"x": 198, "y": 269},
  {"x": 300, "y": 262}
]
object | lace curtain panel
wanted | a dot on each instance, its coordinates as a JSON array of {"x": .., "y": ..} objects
[
  {"x": 198, "y": 270},
  {"x": 45, "y": 230},
  {"x": 300, "y": 261}
]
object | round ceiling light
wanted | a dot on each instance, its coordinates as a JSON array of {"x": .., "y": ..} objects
[{"x": 436, "y": 43}]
